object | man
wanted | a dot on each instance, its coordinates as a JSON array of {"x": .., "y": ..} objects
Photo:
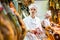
[
  {"x": 46, "y": 21},
  {"x": 32, "y": 23},
  {"x": 18, "y": 20}
]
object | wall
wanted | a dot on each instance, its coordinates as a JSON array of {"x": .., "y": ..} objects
[{"x": 42, "y": 8}]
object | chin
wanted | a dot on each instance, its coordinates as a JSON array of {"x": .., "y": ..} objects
[{"x": 33, "y": 16}]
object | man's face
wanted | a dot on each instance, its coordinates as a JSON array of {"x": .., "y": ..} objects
[
  {"x": 11, "y": 4},
  {"x": 47, "y": 16},
  {"x": 25, "y": 2},
  {"x": 33, "y": 12}
]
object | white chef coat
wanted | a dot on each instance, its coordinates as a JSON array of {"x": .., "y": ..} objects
[
  {"x": 46, "y": 22},
  {"x": 31, "y": 23}
]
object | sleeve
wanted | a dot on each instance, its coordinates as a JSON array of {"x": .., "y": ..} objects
[
  {"x": 46, "y": 23},
  {"x": 40, "y": 26},
  {"x": 26, "y": 23}
]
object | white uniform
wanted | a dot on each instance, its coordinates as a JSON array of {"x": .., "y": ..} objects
[
  {"x": 32, "y": 24},
  {"x": 46, "y": 22}
]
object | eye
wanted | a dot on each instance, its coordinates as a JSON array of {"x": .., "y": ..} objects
[{"x": 33, "y": 9}]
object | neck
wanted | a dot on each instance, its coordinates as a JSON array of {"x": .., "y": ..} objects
[{"x": 33, "y": 17}]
